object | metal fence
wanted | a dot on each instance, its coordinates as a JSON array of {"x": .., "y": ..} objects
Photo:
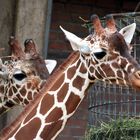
[{"x": 108, "y": 103}]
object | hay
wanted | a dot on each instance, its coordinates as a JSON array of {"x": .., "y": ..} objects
[{"x": 121, "y": 129}]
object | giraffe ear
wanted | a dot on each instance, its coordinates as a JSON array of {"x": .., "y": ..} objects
[
  {"x": 50, "y": 64},
  {"x": 75, "y": 41},
  {"x": 128, "y": 32}
]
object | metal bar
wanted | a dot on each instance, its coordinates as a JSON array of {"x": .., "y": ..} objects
[
  {"x": 118, "y": 15},
  {"x": 117, "y": 114},
  {"x": 47, "y": 30},
  {"x": 114, "y": 103}
]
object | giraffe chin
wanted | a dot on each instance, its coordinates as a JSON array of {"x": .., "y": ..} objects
[{"x": 135, "y": 82}]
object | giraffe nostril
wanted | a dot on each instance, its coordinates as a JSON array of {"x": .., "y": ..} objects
[{"x": 137, "y": 74}]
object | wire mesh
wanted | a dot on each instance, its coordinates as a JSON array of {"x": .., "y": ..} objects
[{"x": 108, "y": 103}]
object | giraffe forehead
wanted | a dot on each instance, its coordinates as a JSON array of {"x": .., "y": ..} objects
[
  {"x": 97, "y": 42},
  {"x": 24, "y": 66}
]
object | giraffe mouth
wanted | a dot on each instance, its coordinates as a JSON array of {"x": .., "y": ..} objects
[
  {"x": 135, "y": 80},
  {"x": 137, "y": 74}
]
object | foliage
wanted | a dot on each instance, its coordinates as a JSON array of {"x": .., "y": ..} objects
[{"x": 121, "y": 129}]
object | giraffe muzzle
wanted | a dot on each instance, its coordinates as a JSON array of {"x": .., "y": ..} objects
[
  {"x": 137, "y": 74},
  {"x": 135, "y": 79}
]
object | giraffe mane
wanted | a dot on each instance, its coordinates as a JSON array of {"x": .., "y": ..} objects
[{"x": 49, "y": 83}]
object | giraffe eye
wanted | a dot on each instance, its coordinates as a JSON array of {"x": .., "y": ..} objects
[
  {"x": 100, "y": 55},
  {"x": 20, "y": 75}
]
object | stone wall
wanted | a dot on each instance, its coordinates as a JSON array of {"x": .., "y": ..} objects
[
  {"x": 6, "y": 24},
  {"x": 23, "y": 19}
]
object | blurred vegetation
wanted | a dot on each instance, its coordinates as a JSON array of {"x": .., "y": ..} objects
[{"x": 121, "y": 129}]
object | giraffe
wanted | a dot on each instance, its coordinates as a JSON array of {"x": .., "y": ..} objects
[
  {"x": 103, "y": 55},
  {"x": 22, "y": 76}
]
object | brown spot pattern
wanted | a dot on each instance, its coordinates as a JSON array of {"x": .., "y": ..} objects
[
  {"x": 78, "y": 82},
  {"x": 19, "y": 97},
  {"x": 88, "y": 38},
  {"x": 83, "y": 69},
  {"x": 54, "y": 115},
  {"x": 31, "y": 127},
  {"x": 91, "y": 41},
  {"x": 91, "y": 69},
  {"x": 28, "y": 85},
  {"x": 30, "y": 115},
  {"x": 10, "y": 92},
  {"x": 71, "y": 71},
  {"x": 14, "y": 89},
  {"x": 101, "y": 72},
  {"x": 50, "y": 130},
  {"x": 123, "y": 63},
  {"x": 23, "y": 91},
  {"x": 97, "y": 75},
  {"x": 45, "y": 106},
  {"x": 72, "y": 102},
  {"x": 26, "y": 101},
  {"x": 108, "y": 70},
  {"x": 2, "y": 89},
  {"x": 115, "y": 65},
  {"x": 62, "y": 92},
  {"x": 119, "y": 73},
  {"x": 17, "y": 86},
  {"x": 29, "y": 95},
  {"x": 103, "y": 37},
  {"x": 58, "y": 83}
]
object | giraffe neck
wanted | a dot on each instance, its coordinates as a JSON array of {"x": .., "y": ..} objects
[{"x": 51, "y": 110}]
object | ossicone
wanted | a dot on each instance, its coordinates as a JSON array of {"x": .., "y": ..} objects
[
  {"x": 96, "y": 24},
  {"x": 110, "y": 23}
]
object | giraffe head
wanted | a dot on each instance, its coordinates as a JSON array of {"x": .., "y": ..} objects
[
  {"x": 106, "y": 53},
  {"x": 22, "y": 75},
  {"x": 31, "y": 57}
]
